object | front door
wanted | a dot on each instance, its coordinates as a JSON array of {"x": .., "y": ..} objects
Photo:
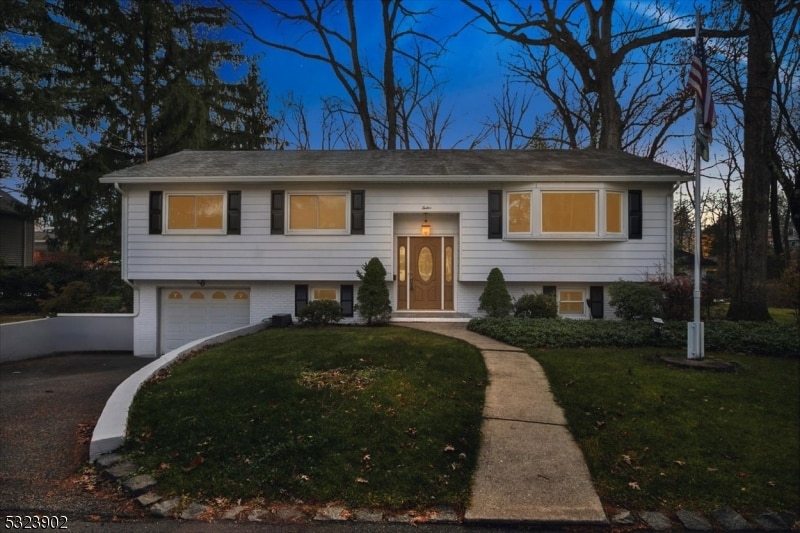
[{"x": 426, "y": 273}]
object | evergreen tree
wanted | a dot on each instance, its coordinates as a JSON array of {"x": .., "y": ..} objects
[
  {"x": 134, "y": 80},
  {"x": 373, "y": 294},
  {"x": 495, "y": 300}
]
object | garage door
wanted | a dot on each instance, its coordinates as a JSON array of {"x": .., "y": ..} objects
[{"x": 191, "y": 314}]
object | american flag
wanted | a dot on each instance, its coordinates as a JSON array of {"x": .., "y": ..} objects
[{"x": 698, "y": 82}]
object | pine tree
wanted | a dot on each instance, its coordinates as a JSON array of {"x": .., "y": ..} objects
[
  {"x": 131, "y": 80},
  {"x": 495, "y": 300},
  {"x": 373, "y": 294}
]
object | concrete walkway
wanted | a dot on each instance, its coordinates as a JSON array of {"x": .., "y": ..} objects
[{"x": 530, "y": 470}]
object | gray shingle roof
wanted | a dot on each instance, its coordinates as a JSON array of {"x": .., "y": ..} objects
[{"x": 400, "y": 165}]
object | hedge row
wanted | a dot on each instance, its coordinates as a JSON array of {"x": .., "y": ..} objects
[{"x": 720, "y": 336}]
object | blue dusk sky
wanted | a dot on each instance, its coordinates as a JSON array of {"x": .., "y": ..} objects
[{"x": 471, "y": 70}]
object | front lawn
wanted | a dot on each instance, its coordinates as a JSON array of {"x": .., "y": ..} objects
[
  {"x": 386, "y": 417},
  {"x": 658, "y": 437}
]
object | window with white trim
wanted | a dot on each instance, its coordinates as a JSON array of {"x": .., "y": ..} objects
[
  {"x": 195, "y": 213},
  {"x": 594, "y": 212},
  {"x": 318, "y": 213},
  {"x": 571, "y": 302}
]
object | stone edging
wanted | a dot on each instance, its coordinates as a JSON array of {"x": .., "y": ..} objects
[{"x": 143, "y": 488}]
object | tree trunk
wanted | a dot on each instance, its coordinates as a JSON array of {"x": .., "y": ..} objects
[{"x": 749, "y": 300}]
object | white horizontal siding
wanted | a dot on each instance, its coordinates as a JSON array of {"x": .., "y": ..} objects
[{"x": 461, "y": 211}]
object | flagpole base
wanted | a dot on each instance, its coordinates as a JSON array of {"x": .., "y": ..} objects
[{"x": 695, "y": 345}]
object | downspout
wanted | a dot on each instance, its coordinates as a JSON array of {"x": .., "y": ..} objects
[{"x": 124, "y": 251}]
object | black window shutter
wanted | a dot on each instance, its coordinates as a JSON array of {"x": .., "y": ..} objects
[
  {"x": 276, "y": 219},
  {"x": 300, "y": 298},
  {"x": 634, "y": 214},
  {"x": 346, "y": 299},
  {"x": 495, "y": 214},
  {"x": 156, "y": 206},
  {"x": 357, "y": 212},
  {"x": 234, "y": 212},
  {"x": 549, "y": 290},
  {"x": 596, "y": 301}
]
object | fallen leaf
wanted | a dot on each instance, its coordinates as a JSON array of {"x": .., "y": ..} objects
[
  {"x": 712, "y": 469},
  {"x": 163, "y": 466},
  {"x": 197, "y": 461},
  {"x": 626, "y": 458},
  {"x": 634, "y": 485},
  {"x": 771, "y": 483},
  {"x": 449, "y": 448},
  {"x": 679, "y": 463},
  {"x": 361, "y": 480}
]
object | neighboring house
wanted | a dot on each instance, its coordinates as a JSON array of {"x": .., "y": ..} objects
[
  {"x": 16, "y": 232},
  {"x": 684, "y": 264},
  {"x": 214, "y": 240}
]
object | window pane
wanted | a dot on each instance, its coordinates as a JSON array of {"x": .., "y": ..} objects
[
  {"x": 567, "y": 212},
  {"x": 448, "y": 264},
  {"x": 181, "y": 212},
  {"x": 209, "y": 212},
  {"x": 614, "y": 212},
  {"x": 195, "y": 211},
  {"x": 303, "y": 212},
  {"x": 318, "y": 211},
  {"x": 401, "y": 267},
  {"x": 324, "y": 294},
  {"x": 425, "y": 264},
  {"x": 332, "y": 210},
  {"x": 570, "y": 303},
  {"x": 519, "y": 212}
]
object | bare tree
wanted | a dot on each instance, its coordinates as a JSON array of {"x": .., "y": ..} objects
[
  {"x": 611, "y": 57},
  {"x": 748, "y": 301},
  {"x": 330, "y": 34}
]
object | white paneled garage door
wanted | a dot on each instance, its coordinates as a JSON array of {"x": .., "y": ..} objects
[{"x": 191, "y": 314}]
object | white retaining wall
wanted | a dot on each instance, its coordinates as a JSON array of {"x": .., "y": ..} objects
[
  {"x": 112, "y": 426},
  {"x": 66, "y": 333}
]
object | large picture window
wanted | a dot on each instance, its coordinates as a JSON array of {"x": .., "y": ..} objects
[
  {"x": 195, "y": 213},
  {"x": 564, "y": 213},
  {"x": 569, "y": 212},
  {"x": 318, "y": 212}
]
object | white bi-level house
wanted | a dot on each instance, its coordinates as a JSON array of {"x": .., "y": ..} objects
[{"x": 220, "y": 239}]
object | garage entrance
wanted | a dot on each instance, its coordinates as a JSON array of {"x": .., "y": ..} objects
[{"x": 191, "y": 314}]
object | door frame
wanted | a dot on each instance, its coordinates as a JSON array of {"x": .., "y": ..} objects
[{"x": 446, "y": 272}]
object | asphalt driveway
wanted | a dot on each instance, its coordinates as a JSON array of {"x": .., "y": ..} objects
[{"x": 48, "y": 409}]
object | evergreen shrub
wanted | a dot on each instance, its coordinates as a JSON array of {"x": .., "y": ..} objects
[
  {"x": 536, "y": 306},
  {"x": 320, "y": 313},
  {"x": 635, "y": 301},
  {"x": 373, "y": 302},
  {"x": 495, "y": 299}
]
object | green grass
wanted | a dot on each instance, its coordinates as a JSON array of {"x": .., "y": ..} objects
[
  {"x": 385, "y": 417},
  {"x": 783, "y": 315},
  {"x": 657, "y": 437}
]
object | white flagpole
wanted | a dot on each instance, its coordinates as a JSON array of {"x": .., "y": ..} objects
[{"x": 695, "y": 346}]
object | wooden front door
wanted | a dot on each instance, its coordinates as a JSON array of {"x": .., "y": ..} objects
[{"x": 425, "y": 273}]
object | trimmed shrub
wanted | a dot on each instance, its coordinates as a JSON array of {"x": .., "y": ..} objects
[
  {"x": 320, "y": 313},
  {"x": 758, "y": 338},
  {"x": 495, "y": 300},
  {"x": 634, "y": 301},
  {"x": 536, "y": 306},
  {"x": 373, "y": 294}
]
